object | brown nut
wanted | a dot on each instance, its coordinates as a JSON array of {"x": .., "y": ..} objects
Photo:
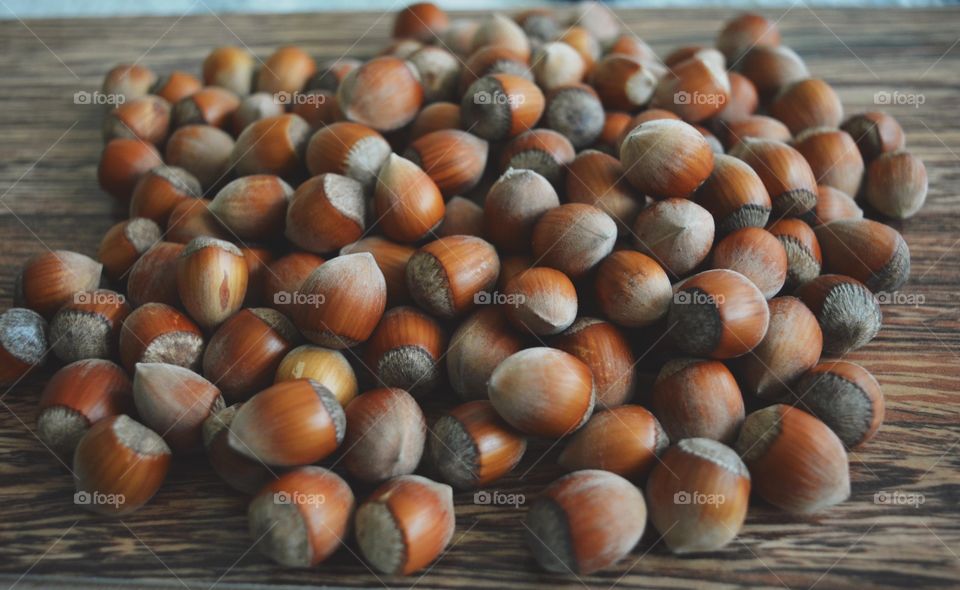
[
  {"x": 846, "y": 397},
  {"x": 48, "y": 281},
  {"x": 625, "y": 440},
  {"x": 848, "y": 313},
  {"x": 157, "y": 333},
  {"x": 449, "y": 276},
  {"x": 677, "y": 233},
  {"x": 212, "y": 280},
  {"x": 573, "y": 238},
  {"x": 480, "y": 344},
  {"x": 756, "y": 254},
  {"x": 386, "y": 434},
  {"x": 89, "y": 325},
  {"x": 695, "y": 398},
  {"x": 23, "y": 344},
  {"x": 871, "y": 252},
  {"x": 666, "y": 159},
  {"x": 175, "y": 402}
]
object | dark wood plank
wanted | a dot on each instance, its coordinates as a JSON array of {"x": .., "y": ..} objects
[{"x": 194, "y": 533}]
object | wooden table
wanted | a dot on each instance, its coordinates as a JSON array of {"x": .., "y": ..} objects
[{"x": 194, "y": 533}]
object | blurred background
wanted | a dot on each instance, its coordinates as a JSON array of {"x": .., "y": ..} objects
[{"x": 10, "y": 9}]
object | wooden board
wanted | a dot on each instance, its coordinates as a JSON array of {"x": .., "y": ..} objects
[{"x": 194, "y": 533}]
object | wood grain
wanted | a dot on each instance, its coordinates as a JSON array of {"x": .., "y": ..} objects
[{"x": 194, "y": 533}]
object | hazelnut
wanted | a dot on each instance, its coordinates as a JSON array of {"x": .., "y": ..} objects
[
  {"x": 146, "y": 118},
  {"x": 175, "y": 401},
  {"x": 210, "y": 105},
  {"x": 896, "y": 184},
  {"x": 254, "y": 107},
  {"x": 392, "y": 259},
  {"x": 408, "y": 202},
  {"x": 803, "y": 251},
  {"x": 349, "y": 149},
  {"x": 696, "y": 398},
  {"x": 130, "y": 81},
  {"x": 743, "y": 99},
  {"x": 438, "y": 71},
  {"x": 833, "y": 205},
  {"x": 575, "y": 111},
  {"x": 244, "y": 353},
  {"x": 49, "y": 280},
  {"x": 23, "y": 344},
  {"x": 598, "y": 179},
  {"x": 791, "y": 346},
  {"x": 176, "y": 85},
  {"x": 459, "y": 35},
  {"x": 875, "y": 133},
  {"x": 513, "y": 205},
  {"x": 160, "y": 190},
  {"x": 677, "y": 233},
  {"x": 700, "y": 81},
  {"x": 784, "y": 171},
  {"x": 490, "y": 60},
  {"x": 241, "y": 473},
  {"x": 286, "y": 70},
  {"x": 203, "y": 151},
  {"x": 848, "y": 313},
  {"x": 501, "y": 106},
  {"x": 557, "y": 64},
  {"x": 744, "y": 32},
  {"x": 327, "y": 367},
  {"x": 253, "y": 207},
  {"x": 846, "y": 397},
  {"x": 342, "y": 301},
  {"x": 405, "y": 350},
  {"x": 78, "y": 396},
  {"x": 632, "y": 289},
  {"x": 257, "y": 258},
  {"x": 471, "y": 446},
  {"x": 541, "y": 300},
  {"x": 463, "y": 218},
  {"x": 500, "y": 31},
  {"x": 326, "y": 213},
  {"x": 157, "y": 333},
  {"x": 624, "y": 83},
  {"x": 798, "y": 464},
  {"x": 274, "y": 145},
  {"x": 544, "y": 151},
  {"x": 453, "y": 159},
  {"x": 423, "y": 21},
  {"x": 122, "y": 460},
  {"x": 446, "y": 276},
  {"x": 583, "y": 41},
  {"x": 384, "y": 93},
  {"x": 302, "y": 517},
  {"x": 871, "y": 252},
  {"x": 284, "y": 277},
  {"x": 632, "y": 46},
  {"x": 124, "y": 243},
  {"x": 615, "y": 126},
  {"x": 734, "y": 195},
  {"x": 624, "y": 440},
  {"x": 605, "y": 349},
  {"x": 212, "y": 280},
  {"x": 754, "y": 127},
  {"x": 771, "y": 69},
  {"x": 405, "y": 524},
  {"x": 585, "y": 521},
  {"x": 231, "y": 68},
  {"x": 807, "y": 103},
  {"x": 573, "y": 238},
  {"x": 122, "y": 163},
  {"x": 666, "y": 159},
  {"x": 480, "y": 344},
  {"x": 698, "y": 495},
  {"x": 435, "y": 117},
  {"x": 386, "y": 433},
  {"x": 543, "y": 392},
  {"x": 756, "y": 254},
  {"x": 833, "y": 157},
  {"x": 719, "y": 314},
  {"x": 153, "y": 277},
  {"x": 289, "y": 424},
  {"x": 89, "y": 325},
  {"x": 193, "y": 219},
  {"x": 539, "y": 24}
]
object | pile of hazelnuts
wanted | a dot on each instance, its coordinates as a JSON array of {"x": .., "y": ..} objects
[{"x": 502, "y": 216}]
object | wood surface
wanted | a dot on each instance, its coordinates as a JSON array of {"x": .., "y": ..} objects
[{"x": 194, "y": 533}]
